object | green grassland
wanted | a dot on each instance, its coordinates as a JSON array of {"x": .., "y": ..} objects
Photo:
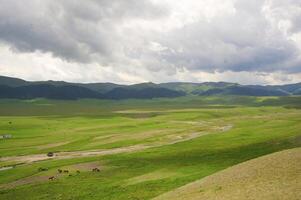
[{"x": 145, "y": 147}]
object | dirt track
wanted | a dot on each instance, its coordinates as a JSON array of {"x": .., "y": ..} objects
[{"x": 65, "y": 155}]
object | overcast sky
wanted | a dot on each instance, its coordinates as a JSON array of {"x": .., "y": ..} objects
[{"x": 132, "y": 41}]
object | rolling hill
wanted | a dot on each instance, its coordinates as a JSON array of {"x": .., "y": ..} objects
[
  {"x": 246, "y": 91},
  {"x": 270, "y": 177},
  {"x": 21, "y": 89},
  {"x": 67, "y": 92}
]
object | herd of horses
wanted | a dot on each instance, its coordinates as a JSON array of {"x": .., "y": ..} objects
[{"x": 60, "y": 171}]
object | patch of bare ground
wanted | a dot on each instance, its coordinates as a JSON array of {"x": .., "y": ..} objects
[
  {"x": 272, "y": 177},
  {"x": 26, "y": 159},
  {"x": 200, "y": 123},
  {"x": 139, "y": 135},
  {"x": 6, "y": 168}
]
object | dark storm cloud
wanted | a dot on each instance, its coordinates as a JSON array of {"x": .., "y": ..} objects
[
  {"x": 241, "y": 41},
  {"x": 73, "y": 30},
  {"x": 212, "y": 35}
]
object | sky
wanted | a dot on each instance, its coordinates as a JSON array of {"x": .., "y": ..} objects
[{"x": 134, "y": 41}]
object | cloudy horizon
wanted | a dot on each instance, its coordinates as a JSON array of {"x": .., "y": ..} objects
[{"x": 127, "y": 42}]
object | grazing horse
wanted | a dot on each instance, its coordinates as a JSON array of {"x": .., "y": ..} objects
[
  {"x": 41, "y": 169},
  {"x": 51, "y": 178},
  {"x": 95, "y": 170},
  {"x": 66, "y": 171},
  {"x": 60, "y": 171}
]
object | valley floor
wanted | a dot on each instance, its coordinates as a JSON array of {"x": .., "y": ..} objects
[{"x": 149, "y": 149}]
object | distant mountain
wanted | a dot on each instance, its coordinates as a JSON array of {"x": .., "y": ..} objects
[
  {"x": 98, "y": 87},
  {"x": 195, "y": 88},
  {"x": 245, "y": 91},
  {"x": 47, "y": 91},
  {"x": 21, "y": 89},
  {"x": 141, "y": 86},
  {"x": 297, "y": 92},
  {"x": 142, "y": 93},
  {"x": 224, "y": 88},
  {"x": 290, "y": 88},
  {"x": 12, "y": 82}
]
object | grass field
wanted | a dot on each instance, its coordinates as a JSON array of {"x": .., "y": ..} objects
[{"x": 143, "y": 148}]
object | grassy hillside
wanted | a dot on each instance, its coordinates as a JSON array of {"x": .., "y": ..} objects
[
  {"x": 271, "y": 177},
  {"x": 143, "y": 148}
]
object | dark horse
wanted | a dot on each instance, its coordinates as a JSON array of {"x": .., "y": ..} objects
[{"x": 95, "y": 170}]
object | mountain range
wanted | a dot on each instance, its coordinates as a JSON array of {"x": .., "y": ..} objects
[{"x": 21, "y": 89}]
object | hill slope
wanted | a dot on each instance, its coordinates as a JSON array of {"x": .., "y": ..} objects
[
  {"x": 12, "y": 82},
  {"x": 246, "y": 91},
  {"x": 21, "y": 89},
  {"x": 47, "y": 91},
  {"x": 146, "y": 93},
  {"x": 273, "y": 177}
]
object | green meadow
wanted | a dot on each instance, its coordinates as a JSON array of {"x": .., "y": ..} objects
[{"x": 143, "y": 148}]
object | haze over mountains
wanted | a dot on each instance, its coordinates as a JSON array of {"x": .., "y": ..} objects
[{"x": 21, "y": 89}]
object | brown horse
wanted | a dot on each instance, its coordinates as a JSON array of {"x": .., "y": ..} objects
[
  {"x": 95, "y": 170},
  {"x": 41, "y": 169},
  {"x": 51, "y": 178}
]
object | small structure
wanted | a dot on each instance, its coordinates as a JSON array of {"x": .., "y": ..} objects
[{"x": 6, "y": 136}]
